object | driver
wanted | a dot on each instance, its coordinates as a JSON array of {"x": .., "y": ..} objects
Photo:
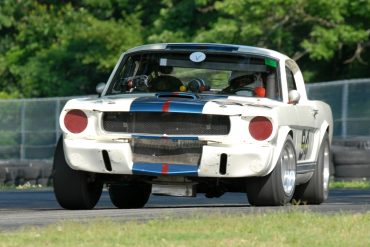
[
  {"x": 164, "y": 81},
  {"x": 240, "y": 79},
  {"x": 245, "y": 79}
]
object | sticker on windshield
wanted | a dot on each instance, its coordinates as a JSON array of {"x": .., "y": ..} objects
[
  {"x": 197, "y": 57},
  {"x": 270, "y": 62}
]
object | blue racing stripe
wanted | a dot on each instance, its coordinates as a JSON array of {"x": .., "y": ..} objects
[
  {"x": 146, "y": 104},
  {"x": 170, "y": 104},
  {"x": 164, "y": 169},
  {"x": 187, "y": 106}
]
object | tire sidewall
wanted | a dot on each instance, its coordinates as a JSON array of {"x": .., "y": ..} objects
[
  {"x": 71, "y": 187},
  {"x": 319, "y": 174},
  {"x": 132, "y": 195},
  {"x": 269, "y": 190},
  {"x": 278, "y": 170},
  {"x": 313, "y": 192}
]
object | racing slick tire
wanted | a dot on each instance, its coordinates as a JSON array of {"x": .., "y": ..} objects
[
  {"x": 74, "y": 189},
  {"x": 277, "y": 188},
  {"x": 131, "y": 195},
  {"x": 316, "y": 190}
]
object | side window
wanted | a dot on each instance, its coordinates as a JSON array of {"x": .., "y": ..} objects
[{"x": 290, "y": 79}]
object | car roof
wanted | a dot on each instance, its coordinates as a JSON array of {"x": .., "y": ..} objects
[{"x": 211, "y": 47}]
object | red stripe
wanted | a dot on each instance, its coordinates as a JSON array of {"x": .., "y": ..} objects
[
  {"x": 164, "y": 168},
  {"x": 166, "y": 106}
]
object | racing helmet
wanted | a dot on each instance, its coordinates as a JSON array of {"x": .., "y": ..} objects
[{"x": 240, "y": 78}]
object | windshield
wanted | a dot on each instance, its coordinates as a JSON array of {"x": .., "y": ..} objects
[{"x": 196, "y": 72}]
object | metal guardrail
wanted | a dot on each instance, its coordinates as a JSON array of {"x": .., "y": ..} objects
[
  {"x": 350, "y": 103},
  {"x": 29, "y": 128}
]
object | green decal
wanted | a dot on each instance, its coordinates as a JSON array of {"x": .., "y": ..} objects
[{"x": 270, "y": 62}]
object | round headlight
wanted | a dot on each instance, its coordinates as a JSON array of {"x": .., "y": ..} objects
[
  {"x": 260, "y": 128},
  {"x": 75, "y": 121}
]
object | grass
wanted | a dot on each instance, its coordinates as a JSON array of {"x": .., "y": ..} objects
[
  {"x": 26, "y": 186},
  {"x": 356, "y": 184},
  {"x": 260, "y": 229},
  {"x": 6, "y": 187},
  {"x": 293, "y": 228}
]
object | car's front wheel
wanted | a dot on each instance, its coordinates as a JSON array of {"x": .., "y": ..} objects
[
  {"x": 74, "y": 189},
  {"x": 277, "y": 188},
  {"x": 130, "y": 195}
]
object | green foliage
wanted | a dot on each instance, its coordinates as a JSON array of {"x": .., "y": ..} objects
[
  {"x": 330, "y": 39},
  {"x": 61, "y": 50},
  {"x": 355, "y": 184},
  {"x": 56, "y": 48}
]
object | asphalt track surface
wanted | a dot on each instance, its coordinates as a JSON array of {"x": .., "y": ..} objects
[{"x": 38, "y": 208}]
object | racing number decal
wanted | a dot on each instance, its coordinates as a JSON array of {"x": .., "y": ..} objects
[{"x": 304, "y": 144}]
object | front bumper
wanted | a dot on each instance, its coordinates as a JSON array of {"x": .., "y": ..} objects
[{"x": 243, "y": 160}]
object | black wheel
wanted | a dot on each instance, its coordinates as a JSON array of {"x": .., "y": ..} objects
[
  {"x": 277, "y": 188},
  {"x": 316, "y": 190},
  {"x": 2, "y": 175},
  {"x": 74, "y": 189},
  {"x": 346, "y": 156},
  {"x": 131, "y": 195},
  {"x": 353, "y": 171}
]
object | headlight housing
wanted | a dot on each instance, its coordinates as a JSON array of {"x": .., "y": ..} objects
[
  {"x": 75, "y": 121},
  {"x": 260, "y": 128}
]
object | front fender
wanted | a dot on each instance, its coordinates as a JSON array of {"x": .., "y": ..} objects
[{"x": 283, "y": 132}]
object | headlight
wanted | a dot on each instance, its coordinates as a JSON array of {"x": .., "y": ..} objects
[
  {"x": 260, "y": 128},
  {"x": 75, "y": 121}
]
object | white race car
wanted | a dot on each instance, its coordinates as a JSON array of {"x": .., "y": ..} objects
[{"x": 182, "y": 119}]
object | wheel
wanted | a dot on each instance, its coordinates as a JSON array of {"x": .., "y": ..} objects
[
  {"x": 353, "y": 171},
  {"x": 132, "y": 195},
  {"x": 316, "y": 190},
  {"x": 277, "y": 188},
  {"x": 74, "y": 189},
  {"x": 347, "y": 156},
  {"x": 2, "y": 175}
]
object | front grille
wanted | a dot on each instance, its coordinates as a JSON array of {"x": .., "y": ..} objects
[
  {"x": 169, "y": 123},
  {"x": 167, "y": 151}
]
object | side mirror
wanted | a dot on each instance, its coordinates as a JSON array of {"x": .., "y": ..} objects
[
  {"x": 100, "y": 88},
  {"x": 294, "y": 97}
]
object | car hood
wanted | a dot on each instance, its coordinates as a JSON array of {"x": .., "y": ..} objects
[{"x": 174, "y": 102}]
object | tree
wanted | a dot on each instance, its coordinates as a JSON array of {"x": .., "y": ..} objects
[
  {"x": 330, "y": 39},
  {"x": 59, "y": 50},
  {"x": 56, "y": 48}
]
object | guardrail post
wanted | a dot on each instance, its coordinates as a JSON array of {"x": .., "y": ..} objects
[
  {"x": 344, "y": 109},
  {"x": 23, "y": 131}
]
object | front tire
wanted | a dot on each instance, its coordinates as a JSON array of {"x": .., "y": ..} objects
[
  {"x": 277, "y": 188},
  {"x": 131, "y": 195},
  {"x": 74, "y": 189},
  {"x": 316, "y": 190}
]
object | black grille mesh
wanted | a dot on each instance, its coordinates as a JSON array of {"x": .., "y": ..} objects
[
  {"x": 167, "y": 151},
  {"x": 169, "y": 123}
]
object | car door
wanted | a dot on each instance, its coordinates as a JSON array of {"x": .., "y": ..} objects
[{"x": 306, "y": 125}]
